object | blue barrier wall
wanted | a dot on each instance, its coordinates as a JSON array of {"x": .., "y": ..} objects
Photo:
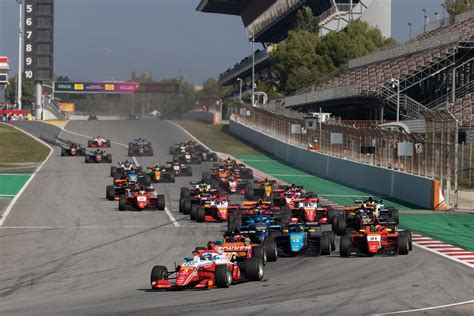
[{"x": 405, "y": 187}]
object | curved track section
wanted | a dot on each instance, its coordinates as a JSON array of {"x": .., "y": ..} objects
[{"x": 66, "y": 249}]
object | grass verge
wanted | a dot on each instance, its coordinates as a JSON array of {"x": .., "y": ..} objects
[
  {"x": 18, "y": 149},
  {"x": 218, "y": 138}
]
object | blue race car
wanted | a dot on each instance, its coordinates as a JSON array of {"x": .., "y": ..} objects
[
  {"x": 303, "y": 239},
  {"x": 140, "y": 147}
]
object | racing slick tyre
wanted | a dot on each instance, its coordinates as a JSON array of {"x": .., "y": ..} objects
[
  {"x": 110, "y": 192},
  {"x": 181, "y": 202},
  {"x": 130, "y": 153},
  {"x": 172, "y": 178},
  {"x": 341, "y": 226},
  {"x": 332, "y": 239},
  {"x": 206, "y": 177},
  {"x": 113, "y": 171},
  {"x": 184, "y": 193},
  {"x": 89, "y": 143},
  {"x": 402, "y": 244},
  {"x": 158, "y": 273},
  {"x": 325, "y": 245},
  {"x": 223, "y": 276},
  {"x": 109, "y": 158},
  {"x": 122, "y": 203},
  {"x": 254, "y": 269},
  {"x": 189, "y": 173},
  {"x": 334, "y": 223},
  {"x": 249, "y": 192},
  {"x": 147, "y": 180},
  {"x": 87, "y": 160},
  {"x": 108, "y": 144},
  {"x": 63, "y": 152},
  {"x": 331, "y": 215},
  {"x": 410, "y": 241},
  {"x": 187, "y": 206},
  {"x": 160, "y": 203},
  {"x": 271, "y": 250},
  {"x": 193, "y": 212},
  {"x": 344, "y": 246},
  {"x": 259, "y": 252},
  {"x": 200, "y": 214}
]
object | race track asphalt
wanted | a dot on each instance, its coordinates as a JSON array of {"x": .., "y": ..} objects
[{"x": 65, "y": 249}]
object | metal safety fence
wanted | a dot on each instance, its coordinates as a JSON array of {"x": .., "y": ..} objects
[{"x": 433, "y": 154}]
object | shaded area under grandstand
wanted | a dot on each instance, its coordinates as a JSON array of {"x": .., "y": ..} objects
[
  {"x": 454, "y": 229},
  {"x": 331, "y": 190}
]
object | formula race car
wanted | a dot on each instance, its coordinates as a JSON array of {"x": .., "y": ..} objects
[
  {"x": 141, "y": 199},
  {"x": 140, "y": 147},
  {"x": 72, "y": 150},
  {"x": 92, "y": 117},
  {"x": 211, "y": 209},
  {"x": 160, "y": 174},
  {"x": 123, "y": 168},
  {"x": 207, "y": 155},
  {"x": 308, "y": 210},
  {"x": 299, "y": 238},
  {"x": 98, "y": 141},
  {"x": 261, "y": 189},
  {"x": 188, "y": 197},
  {"x": 244, "y": 248},
  {"x": 187, "y": 158},
  {"x": 98, "y": 156},
  {"x": 374, "y": 240},
  {"x": 258, "y": 227},
  {"x": 179, "y": 169},
  {"x": 355, "y": 218},
  {"x": 207, "y": 269},
  {"x": 129, "y": 181},
  {"x": 189, "y": 146}
]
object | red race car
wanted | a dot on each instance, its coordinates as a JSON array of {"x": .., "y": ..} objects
[
  {"x": 211, "y": 209},
  {"x": 98, "y": 141},
  {"x": 207, "y": 269},
  {"x": 374, "y": 240},
  {"x": 98, "y": 156},
  {"x": 141, "y": 199},
  {"x": 309, "y": 210}
]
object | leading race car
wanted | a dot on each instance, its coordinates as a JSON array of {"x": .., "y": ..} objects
[
  {"x": 98, "y": 156},
  {"x": 98, "y": 141},
  {"x": 140, "y": 147},
  {"x": 142, "y": 198},
  {"x": 207, "y": 269},
  {"x": 374, "y": 240}
]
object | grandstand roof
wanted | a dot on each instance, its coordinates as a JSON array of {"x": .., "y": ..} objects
[{"x": 231, "y": 7}]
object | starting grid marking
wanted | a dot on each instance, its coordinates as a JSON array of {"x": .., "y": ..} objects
[{"x": 448, "y": 251}]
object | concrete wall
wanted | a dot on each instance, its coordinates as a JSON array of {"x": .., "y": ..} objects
[
  {"x": 207, "y": 117},
  {"x": 405, "y": 187}
]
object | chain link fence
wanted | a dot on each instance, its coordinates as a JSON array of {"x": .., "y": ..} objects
[{"x": 433, "y": 154}]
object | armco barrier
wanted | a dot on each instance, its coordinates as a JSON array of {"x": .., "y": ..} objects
[
  {"x": 413, "y": 189},
  {"x": 206, "y": 117}
]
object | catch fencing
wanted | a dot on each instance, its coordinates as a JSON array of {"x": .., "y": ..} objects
[{"x": 433, "y": 154}]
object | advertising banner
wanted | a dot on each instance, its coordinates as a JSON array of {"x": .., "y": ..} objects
[{"x": 115, "y": 87}]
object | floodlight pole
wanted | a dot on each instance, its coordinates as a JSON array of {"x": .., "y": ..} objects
[
  {"x": 240, "y": 89},
  {"x": 252, "y": 38},
  {"x": 409, "y": 25},
  {"x": 19, "y": 78}
]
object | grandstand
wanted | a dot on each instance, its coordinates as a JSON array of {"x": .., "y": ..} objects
[
  {"x": 268, "y": 21},
  {"x": 434, "y": 70}
]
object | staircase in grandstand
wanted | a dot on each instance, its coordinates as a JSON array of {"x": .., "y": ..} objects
[
  {"x": 338, "y": 15},
  {"x": 409, "y": 108}
]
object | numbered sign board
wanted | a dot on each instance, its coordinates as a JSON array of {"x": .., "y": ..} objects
[{"x": 39, "y": 39}]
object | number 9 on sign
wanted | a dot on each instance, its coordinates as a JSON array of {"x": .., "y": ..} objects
[
  {"x": 29, "y": 74},
  {"x": 28, "y": 61}
]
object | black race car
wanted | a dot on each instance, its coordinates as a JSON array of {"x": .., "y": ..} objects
[
  {"x": 140, "y": 147},
  {"x": 178, "y": 169},
  {"x": 187, "y": 158},
  {"x": 98, "y": 156}
]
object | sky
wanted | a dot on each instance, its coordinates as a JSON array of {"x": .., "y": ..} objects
[{"x": 101, "y": 40}]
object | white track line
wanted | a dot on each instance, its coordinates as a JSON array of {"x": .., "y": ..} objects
[
  {"x": 427, "y": 308},
  {"x": 167, "y": 211},
  {"x": 23, "y": 188},
  {"x": 190, "y": 135}
]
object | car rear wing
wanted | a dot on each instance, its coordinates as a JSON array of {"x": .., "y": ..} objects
[{"x": 364, "y": 201}]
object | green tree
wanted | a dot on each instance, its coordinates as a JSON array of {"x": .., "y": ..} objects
[
  {"x": 305, "y": 20},
  {"x": 27, "y": 94},
  {"x": 455, "y": 7},
  {"x": 269, "y": 88},
  {"x": 211, "y": 87}
]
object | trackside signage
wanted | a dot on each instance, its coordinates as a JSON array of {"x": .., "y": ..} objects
[{"x": 115, "y": 87}]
